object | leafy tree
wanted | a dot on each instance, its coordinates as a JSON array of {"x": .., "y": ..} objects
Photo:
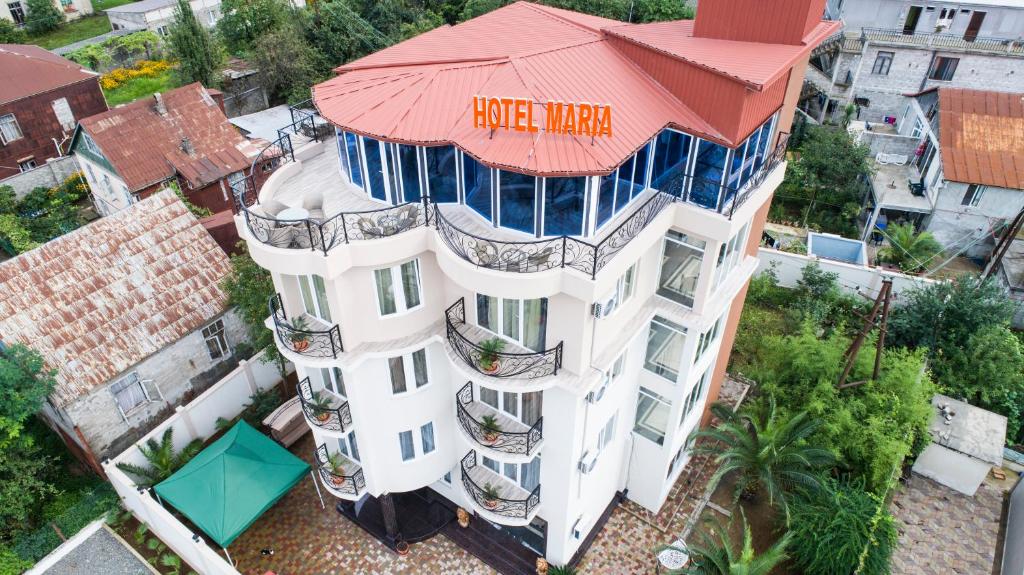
[
  {"x": 162, "y": 457},
  {"x": 474, "y": 8},
  {"x": 249, "y": 288},
  {"x": 286, "y": 63},
  {"x": 25, "y": 382},
  {"x": 245, "y": 21},
  {"x": 23, "y": 484},
  {"x": 43, "y": 16},
  {"x": 661, "y": 10},
  {"x": 715, "y": 553},
  {"x": 832, "y": 526},
  {"x": 768, "y": 453},
  {"x": 339, "y": 34},
  {"x": 199, "y": 56},
  {"x": 912, "y": 251},
  {"x": 423, "y": 23},
  {"x": 11, "y": 34}
]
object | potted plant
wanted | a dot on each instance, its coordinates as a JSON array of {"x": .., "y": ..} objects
[
  {"x": 491, "y": 428},
  {"x": 299, "y": 336},
  {"x": 322, "y": 406},
  {"x": 489, "y": 350},
  {"x": 402, "y": 547},
  {"x": 491, "y": 496},
  {"x": 336, "y": 464}
]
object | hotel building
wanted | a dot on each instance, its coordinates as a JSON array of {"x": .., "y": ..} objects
[{"x": 511, "y": 280}]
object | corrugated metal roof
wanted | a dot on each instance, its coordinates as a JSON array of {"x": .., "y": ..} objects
[
  {"x": 981, "y": 137},
  {"x": 100, "y": 299},
  {"x": 421, "y": 90},
  {"x": 29, "y": 70}
]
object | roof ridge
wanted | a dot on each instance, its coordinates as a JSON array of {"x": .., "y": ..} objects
[{"x": 545, "y": 10}]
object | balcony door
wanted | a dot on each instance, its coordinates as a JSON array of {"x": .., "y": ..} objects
[
  {"x": 525, "y": 407},
  {"x": 974, "y": 26},
  {"x": 521, "y": 321},
  {"x": 314, "y": 297},
  {"x": 913, "y": 16}
]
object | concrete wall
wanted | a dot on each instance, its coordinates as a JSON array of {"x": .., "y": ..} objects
[
  {"x": 159, "y": 20},
  {"x": 1013, "y": 552},
  {"x": 956, "y": 225},
  {"x": 48, "y": 175},
  {"x": 78, "y": 8},
  {"x": 109, "y": 192},
  {"x": 852, "y": 278},
  {"x": 178, "y": 371},
  {"x": 1000, "y": 21}
]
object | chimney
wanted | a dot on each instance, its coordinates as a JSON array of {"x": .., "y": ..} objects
[
  {"x": 161, "y": 108},
  {"x": 187, "y": 147},
  {"x": 764, "y": 21}
]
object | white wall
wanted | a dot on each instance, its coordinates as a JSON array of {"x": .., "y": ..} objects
[
  {"x": 852, "y": 278},
  {"x": 109, "y": 192}
]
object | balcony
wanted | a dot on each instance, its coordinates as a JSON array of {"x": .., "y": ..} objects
[
  {"x": 340, "y": 475},
  {"x": 896, "y": 37},
  {"x": 305, "y": 335},
  {"x": 324, "y": 410},
  {"x": 494, "y": 430},
  {"x": 468, "y": 342},
  {"x": 498, "y": 497}
]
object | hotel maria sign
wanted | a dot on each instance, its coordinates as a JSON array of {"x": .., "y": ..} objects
[{"x": 521, "y": 115}]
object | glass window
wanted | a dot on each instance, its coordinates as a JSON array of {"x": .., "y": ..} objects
[
  {"x": 476, "y": 180},
  {"x": 65, "y": 116},
  {"x": 607, "y": 433},
  {"x": 707, "y": 338},
  {"x": 639, "y": 181},
  {"x": 624, "y": 288},
  {"x": 441, "y": 176},
  {"x": 427, "y": 437},
  {"x": 419, "y": 367},
  {"x": 375, "y": 169},
  {"x": 354, "y": 445},
  {"x": 9, "y": 129},
  {"x": 491, "y": 464},
  {"x": 943, "y": 68},
  {"x": 407, "y": 276},
  {"x": 518, "y": 201},
  {"x": 624, "y": 184},
  {"x": 729, "y": 254},
  {"x": 405, "y": 443},
  {"x": 696, "y": 395},
  {"x": 529, "y": 476},
  {"x": 680, "y": 267},
  {"x": 564, "y": 201},
  {"x": 447, "y": 478},
  {"x": 671, "y": 153},
  {"x": 606, "y": 199},
  {"x": 314, "y": 297},
  {"x": 333, "y": 380},
  {"x": 652, "y": 413},
  {"x": 763, "y": 141},
  {"x": 352, "y": 147},
  {"x": 129, "y": 392},
  {"x": 665, "y": 342},
  {"x": 407, "y": 159},
  {"x": 411, "y": 283},
  {"x": 490, "y": 397},
  {"x": 396, "y": 366},
  {"x": 405, "y": 368},
  {"x": 707, "y": 174},
  {"x": 973, "y": 195},
  {"x": 883, "y": 61},
  {"x": 216, "y": 342},
  {"x": 523, "y": 321}
]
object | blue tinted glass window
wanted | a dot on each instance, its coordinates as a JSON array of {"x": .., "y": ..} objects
[
  {"x": 625, "y": 185},
  {"x": 606, "y": 198},
  {"x": 352, "y": 145},
  {"x": 391, "y": 167},
  {"x": 476, "y": 179},
  {"x": 374, "y": 169},
  {"x": 517, "y": 201},
  {"x": 343, "y": 153},
  {"x": 762, "y": 145},
  {"x": 640, "y": 171},
  {"x": 563, "y": 206},
  {"x": 739, "y": 162},
  {"x": 671, "y": 151},
  {"x": 410, "y": 173},
  {"x": 441, "y": 174},
  {"x": 707, "y": 174}
]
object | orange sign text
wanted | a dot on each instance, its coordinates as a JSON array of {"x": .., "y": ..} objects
[{"x": 576, "y": 118}]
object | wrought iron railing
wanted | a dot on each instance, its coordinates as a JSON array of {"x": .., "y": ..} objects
[
  {"x": 529, "y": 365},
  {"x": 512, "y": 442},
  {"x": 338, "y": 482},
  {"x": 943, "y": 40},
  {"x": 493, "y": 503},
  {"x": 308, "y": 342},
  {"x": 321, "y": 412}
]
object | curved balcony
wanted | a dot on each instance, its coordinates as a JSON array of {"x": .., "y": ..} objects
[
  {"x": 340, "y": 475},
  {"x": 324, "y": 410},
  {"x": 301, "y": 335},
  {"x": 502, "y": 433},
  {"x": 520, "y": 364},
  {"x": 496, "y": 496}
]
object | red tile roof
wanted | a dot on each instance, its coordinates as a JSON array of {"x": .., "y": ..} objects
[
  {"x": 146, "y": 147},
  {"x": 30, "y": 70},
  {"x": 420, "y": 91},
  {"x": 98, "y": 300},
  {"x": 981, "y": 137}
]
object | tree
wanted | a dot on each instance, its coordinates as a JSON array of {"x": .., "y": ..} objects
[
  {"x": 339, "y": 34},
  {"x": 661, "y": 10},
  {"x": 768, "y": 453},
  {"x": 163, "y": 459},
  {"x": 474, "y": 8},
  {"x": 286, "y": 64},
  {"x": 715, "y": 554},
  {"x": 199, "y": 56},
  {"x": 249, "y": 288},
  {"x": 426, "y": 22},
  {"x": 831, "y": 528},
  {"x": 25, "y": 382},
  {"x": 11, "y": 34},
  {"x": 909, "y": 249},
  {"x": 43, "y": 16},
  {"x": 245, "y": 21}
]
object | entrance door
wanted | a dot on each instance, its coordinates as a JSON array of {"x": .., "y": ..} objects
[
  {"x": 971, "y": 34},
  {"x": 910, "y": 25}
]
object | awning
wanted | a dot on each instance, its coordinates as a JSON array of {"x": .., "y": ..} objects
[{"x": 225, "y": 488}]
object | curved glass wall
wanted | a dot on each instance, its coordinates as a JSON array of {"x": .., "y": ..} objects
[
  {"x": 564, "y": 206},
  {"x": 476, "y": 181},
  {"x": 441, "y": 175},
  {"x": 517, "y": 201}
]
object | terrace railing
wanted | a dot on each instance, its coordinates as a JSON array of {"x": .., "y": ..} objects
[
  {"x": 530, "y": 365},
  {"x": 321, "y": 412},
  {"x": 511, "y": 508},
  {"x": 345, "y": 484},
  {"x": 307, "y": 342},
  {"x": 512, "y": 442},
  {"x": 942, "y": 40}
]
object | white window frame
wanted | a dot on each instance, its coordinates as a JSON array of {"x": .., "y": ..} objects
[
  {"x": 658, "y": 398},
  {"x": 423, "y": 438},
  {"x": 150, "y": 395},
  {"x": 673, "y": 327},
  {"x": 975, "y": 199},
  {"x": 503, "y": 402},
  {"x": 416, "y": 435},
  {"x": 5, "y": 137},
  {"x": 23, "y": 168},
  {"x": 309, "y": 282},
  {"x": 686, "y": 241},
  {"x": 606, "y": 434},
  {"x": 708, "y": 337},
  {"x": 500, "y": 320},
  {"x": 625, "y": 287},
  {"x": 615, "y": 186},
  {"x": 334, "y": 382},
  {"x": 61, "y": 107},
  {"x": 696, "y": 395},
  {"x": 218, "y": 335},
  {"x": 412, "y": 443},
  {"x": 398, "y": 293},
  {"x": 349, "y": 446},
  {"x": 729, "y": 254},
  {"x": 409, "y": 371}
]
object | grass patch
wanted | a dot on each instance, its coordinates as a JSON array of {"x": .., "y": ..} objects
[
  {"x": 141, "y": 88},
  {"x": 71, "y": 32},
  {"x": 104, "y": 4}
]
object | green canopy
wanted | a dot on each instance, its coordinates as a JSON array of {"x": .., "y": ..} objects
[{"x": 232, "y": 482}]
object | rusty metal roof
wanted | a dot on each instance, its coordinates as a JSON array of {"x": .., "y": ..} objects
[
  {"x": 98, "y": 300},
  {"x": 146, "y": 147},
  {"x": 420, "y": 91},
  {"x": 30, "y": 70},
  {"x": 981, "y": 137}
]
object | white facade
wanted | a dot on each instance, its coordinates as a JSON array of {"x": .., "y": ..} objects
[
  {"x": 590, "y": 443},
  {"x": 158, "y": 16},
  {"x": 17, "y": 10}
]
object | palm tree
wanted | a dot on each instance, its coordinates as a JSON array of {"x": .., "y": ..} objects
[
  {"x": 163, "y": 459},
  {"x": 715, "y": 554},
  {"x": 908, "y": 249},
  {"x": 768, "y": 454}
]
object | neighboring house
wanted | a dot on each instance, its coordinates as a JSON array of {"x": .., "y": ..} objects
[
  {"x": 42, "y": 96},
  {"x": 17, "y": 10},
  {"x": 963, "y": 175},
  {"x": 1011, "y": 273},
  {"x": 157, "y": 15},
  {"x": 130, "y": 313},
  {"x": 889, "y": 48},
  {"x": 182, "y": 136}
]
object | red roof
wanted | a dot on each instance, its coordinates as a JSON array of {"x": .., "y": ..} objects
[
  {"x": 146, "y": 147},
  {"x": 30, "y": 70},
  {"x": 981, "y": 136},
  {"x": 420, "y": 91}
]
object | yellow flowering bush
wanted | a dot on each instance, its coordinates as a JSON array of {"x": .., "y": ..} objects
[{"x": 142, "y": 69}]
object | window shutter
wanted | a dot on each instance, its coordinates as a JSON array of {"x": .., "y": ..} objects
[{"x": 152, "y": 391}]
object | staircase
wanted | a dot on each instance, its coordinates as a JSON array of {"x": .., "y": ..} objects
[{"x": 500, "y": 551}]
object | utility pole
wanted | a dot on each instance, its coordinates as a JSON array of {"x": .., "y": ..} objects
[
  {"x": 1003, "y": 245},
  {"x": 881, "y": 303}
]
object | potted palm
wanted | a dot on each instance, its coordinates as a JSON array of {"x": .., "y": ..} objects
[
  {"x": 322, "y": 406},
  {"x": 491, "y": 496},
  {"x": 299, "y": 334},
  {"x": 489, "y": 350},
  {"x": 336, "y": 464},
  {"x": 491, "y": 428}
]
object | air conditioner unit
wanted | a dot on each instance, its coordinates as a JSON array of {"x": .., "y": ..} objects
[
  {"x": 596, "y": 395},
  {"x": 605, "y": 306},
  {"x": 579, "y": 527},
  {"x": 588, "y": 462}
]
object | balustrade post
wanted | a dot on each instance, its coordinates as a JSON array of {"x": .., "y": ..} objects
[{"x": 309, "y": 232}]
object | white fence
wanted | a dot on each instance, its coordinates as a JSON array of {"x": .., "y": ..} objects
[
  {"x": 197, "y": 420},
  {"x": 852, "y": 277}
]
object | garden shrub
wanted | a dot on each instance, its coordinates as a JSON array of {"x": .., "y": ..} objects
[{"x": 142, "y": 69}]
